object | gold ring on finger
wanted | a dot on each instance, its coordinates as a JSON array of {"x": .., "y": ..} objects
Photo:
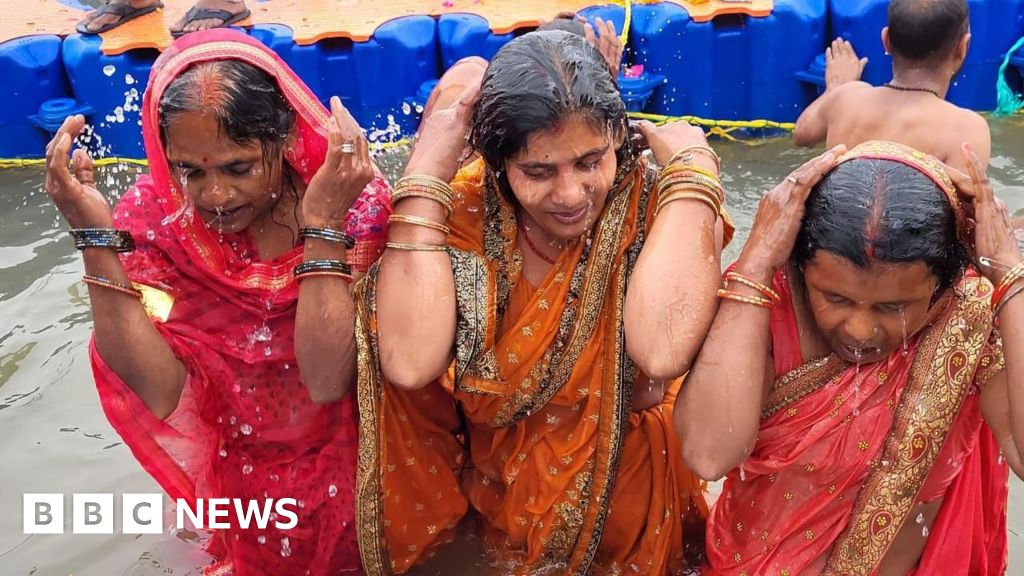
[{"x": 792, "y": 180}]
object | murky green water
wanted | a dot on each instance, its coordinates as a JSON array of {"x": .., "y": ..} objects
[{"x": 54, "y": 437}]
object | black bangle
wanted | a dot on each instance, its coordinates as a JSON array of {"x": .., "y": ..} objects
[
  {"x": 327, "y": 234},
  {"x": 119, "y": 240},
  {"x": 323, "y": 266}
]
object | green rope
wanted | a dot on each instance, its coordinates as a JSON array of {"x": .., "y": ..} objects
[{"x": 1007, "y": 101}]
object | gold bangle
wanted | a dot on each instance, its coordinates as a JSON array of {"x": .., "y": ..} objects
[
  {"x": 698, "y": 180},
  {"x": 423, "y": 180},
  {"x": 677, "y": 167},
  {"x": 707, "y": 150},
  {"x": 332, "y": 273},
  {"x": 111, "y": 285},
  {"x": 1014, "y": 274},
  {"x": 737, "y": 297},
  {"x": 767, "y": 291},
  {"x": 418, "y": 221},
  {"x": 689, "y": 194},
  {"x": 407, "y": 192},
  {"x": 417, "y": 247}
]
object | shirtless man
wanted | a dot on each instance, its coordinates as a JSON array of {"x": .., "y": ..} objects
[{"x": 928, "y": 40}]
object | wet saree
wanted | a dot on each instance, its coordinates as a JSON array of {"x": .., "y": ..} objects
[
  {"x": 845, "y": 453},
  {"x": 245, "y": 426},
  {"x": 531, "y": 433}
]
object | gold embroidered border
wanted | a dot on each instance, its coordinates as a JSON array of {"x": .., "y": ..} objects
[
  {"x": 940, "y": 378},
  {"x": 802, "y": 381},
  {"x": 369, "y": 508}
]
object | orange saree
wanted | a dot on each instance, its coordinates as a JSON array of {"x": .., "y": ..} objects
[
  {"x": 532, "y": 429},
  {"x": 844, "y": 454}
]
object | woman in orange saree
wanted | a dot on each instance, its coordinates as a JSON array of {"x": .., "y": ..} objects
[
  {"x": 229, "y": 379},
  {"x": 869, "y": 445},
  {"x": 552, "y": 429}
]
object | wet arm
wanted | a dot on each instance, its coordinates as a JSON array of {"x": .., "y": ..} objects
[
  {"x": 325, "y": 326},
  {"x": 812, "y": 125},
  {"x": 1003, "y": 398},
  {"x": 718, "y": 412},
  {"x": 415, "y": 301},
  {"x": 671, "y": 296},
  {"x": 127, "y": 340}
]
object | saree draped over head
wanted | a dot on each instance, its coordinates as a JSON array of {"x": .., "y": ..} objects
[
  {"x": 532, "y": 429},
  {"x": 244, "y": 426},
  {"x": 845, "y": 453}
]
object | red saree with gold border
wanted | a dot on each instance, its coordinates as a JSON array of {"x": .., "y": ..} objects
[
  {"x": 845, "y": 453},
  {"x": 245, "y": 426}
]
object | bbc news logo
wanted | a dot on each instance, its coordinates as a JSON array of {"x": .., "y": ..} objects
[{"x": 144, "y": 513}]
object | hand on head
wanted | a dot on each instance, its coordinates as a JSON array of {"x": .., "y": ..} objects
[{"x": 346, "y": 170}]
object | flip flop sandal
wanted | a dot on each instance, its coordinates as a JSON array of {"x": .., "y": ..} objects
[
  {"x": 226, "y": 18},
  {"x": 124, "y": 12}
]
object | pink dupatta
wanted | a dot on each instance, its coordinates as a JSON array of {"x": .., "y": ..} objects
[{"x": 245, "y": 426}]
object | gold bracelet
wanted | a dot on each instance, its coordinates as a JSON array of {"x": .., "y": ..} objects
[
  {"x": 418, "y": 192},
  {"x": 737, "y": 297},
  {"x": 677, "y": 167},
  {"x": 418, "y": 221},
  {"x": 1015, "y": 273},
  {"x": 700, "y": 196},
  {"x": 417, "y": 247},
  {"x": 707, "y": 150},
  {"x": 332, "y": 273},
  {"x": 111, "y": 285},
  {"x": 423, "y": 180},
  {"x": 698, "y": 180},
  {"x": 767, "y": 291}
]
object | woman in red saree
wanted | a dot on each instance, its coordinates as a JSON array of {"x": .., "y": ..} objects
[
  {"x": 229, "y": 379},
  {"x": 862, "y": 437}
]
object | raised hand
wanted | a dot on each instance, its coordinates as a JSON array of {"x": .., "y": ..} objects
[
  {"x": 992, "y": 237},
  {"x": 74, "y": 194},
  {"x": 841, "y": 64},
  {"x": 346, "y": 170},
  {"x": 603, "y": 36},
  {"x": 442, "y": 142},
  {"x": 780, "y": 214}
]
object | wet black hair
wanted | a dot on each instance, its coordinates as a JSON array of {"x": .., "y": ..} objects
[
  {"x": 926, "y": 29},
  {"x": 248, "y": 104},
  {"x": 565, "y": 24},
  {"x": 245, "y": 99},
  {"x": 870, "y": 210},
  {"x": 537, "y": 81}
]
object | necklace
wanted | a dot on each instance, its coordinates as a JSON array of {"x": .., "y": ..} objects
[
  {"x": 910, "y": 89},
  {"x": 529, "y": 243}
]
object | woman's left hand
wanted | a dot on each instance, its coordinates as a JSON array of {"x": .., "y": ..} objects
[
  {"x": 346, "y": 171},
  {"x": 993, "y": 236},
  {"x": 667, "y": 139},
  {"x": 603, "y": 36}
]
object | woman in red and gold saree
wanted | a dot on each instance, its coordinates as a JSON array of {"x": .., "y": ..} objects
[
  {"x": 545, "y": 435},
  {"x": 239, "y": 158},
  {"x": 884, "y": 380}
]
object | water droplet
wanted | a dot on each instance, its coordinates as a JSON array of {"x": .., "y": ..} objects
[
  {"x": 275, "y": 478},
  {"x": 150, "y": 235},
  {"x": 109, "y": 70},
  {"x": 743, "y": 474},
  {"x": 261, "y": 539},
  {"x": 924, "y": 531},
  {"x": 920, "y": 518},
  {"x": 247, "y": 468},
  {"x": 232, "y": 420},
  {"x": 223, "y": 453},
  {"x": 129, "y": 79},
  {"x": 332, "y": 490},
  {"x": 286, "y": 547},
  {"x": 903, "y": 327},
  {"x": 267, "y": 351},
  {"x": 246, "y": 429}
]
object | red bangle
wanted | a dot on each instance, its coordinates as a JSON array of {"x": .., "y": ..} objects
[{"x": 110, "y": 284}]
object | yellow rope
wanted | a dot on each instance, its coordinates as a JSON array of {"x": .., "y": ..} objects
[{"x": 27, "y": 162}]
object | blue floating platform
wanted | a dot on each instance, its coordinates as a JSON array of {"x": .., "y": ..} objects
[{"x": 732, "y": 68}]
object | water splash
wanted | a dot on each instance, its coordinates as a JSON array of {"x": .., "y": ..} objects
[{"x": 903, "y": 327}]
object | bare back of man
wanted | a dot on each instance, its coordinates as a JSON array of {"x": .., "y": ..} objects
[{"x": 911, "y": 109}]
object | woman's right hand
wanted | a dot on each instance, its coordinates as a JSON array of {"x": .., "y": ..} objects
[
  {"x": 779, "y": 216},
  {"x": 75, "y": 195},
  {"x": 442, "y": 143}
]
